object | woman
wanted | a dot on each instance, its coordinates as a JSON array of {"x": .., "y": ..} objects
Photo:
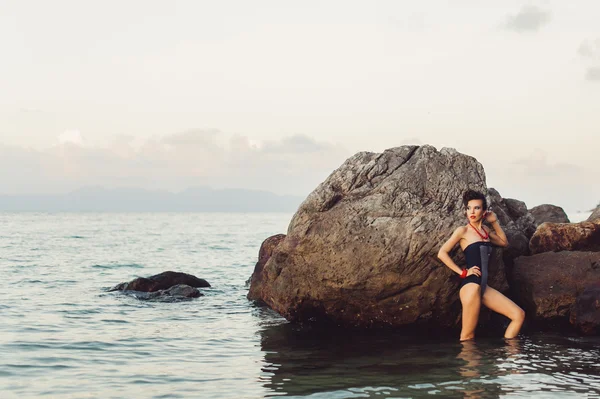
[{"x": 476, "y": 240}]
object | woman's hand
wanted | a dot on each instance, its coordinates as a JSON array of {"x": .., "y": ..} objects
[
  {"x": 475, "y": 270},
  {"x": 490, "y": 217}
]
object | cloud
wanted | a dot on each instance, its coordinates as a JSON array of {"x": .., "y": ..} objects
[
  {"x": 593, "y": 74},
  {"x": 537, "y": 165},
  {"x": 294, "y": 164},
  {"x": 537, "y": 180},
  {"x": 71, "y": 137},
  {"x": 529, "y": 19},
  {"x": 242, "y": 162},
  {"x": 590, "y": 49},
  {"x": 297, "y": 144},
  {"x": 291, "y": 165},
  {"x": 193, "y": 137}
]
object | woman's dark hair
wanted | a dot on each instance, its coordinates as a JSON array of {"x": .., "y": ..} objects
[{"x": 474, "y": 195}]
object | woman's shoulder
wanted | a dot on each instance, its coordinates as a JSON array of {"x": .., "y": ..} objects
[{"x": 460, "y": 231}]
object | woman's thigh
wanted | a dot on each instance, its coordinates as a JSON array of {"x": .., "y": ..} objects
[{"x": 499, "y": 303}]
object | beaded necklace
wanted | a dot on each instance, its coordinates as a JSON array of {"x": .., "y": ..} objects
[{"x": 483, "y": 237}]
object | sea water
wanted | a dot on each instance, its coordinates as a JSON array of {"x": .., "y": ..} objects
[{"x": 62, "y": 335}]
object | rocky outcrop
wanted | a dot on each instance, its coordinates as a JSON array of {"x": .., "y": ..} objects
[
  {"x": 554, "y": 237},
  {"x": 585, "y": 315},
  {"x": 549, "y": 213},
  {"x": 548, "y": 284},
  {"x": 595, "y": 215},
  {"x": 361, "y": 249},
  {"x": 161, "y": 281}
]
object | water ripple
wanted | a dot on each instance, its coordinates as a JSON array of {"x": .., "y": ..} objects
[{"x": 64, "y": 336}]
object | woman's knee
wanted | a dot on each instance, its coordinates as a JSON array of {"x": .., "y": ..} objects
[{"x": 519, "y": 315}]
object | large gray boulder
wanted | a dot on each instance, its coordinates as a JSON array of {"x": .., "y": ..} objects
[
  {"x": 549, "y": 213},
  {"x": 362, "y": 248}
]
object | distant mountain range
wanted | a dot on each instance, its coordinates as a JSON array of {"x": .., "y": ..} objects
[{"x": 197, "y": 199}]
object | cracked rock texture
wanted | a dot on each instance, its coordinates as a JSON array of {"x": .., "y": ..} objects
[{"x": 362, "y": 248}]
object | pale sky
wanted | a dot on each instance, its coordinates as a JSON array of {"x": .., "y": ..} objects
[{"x": 275, "y": 95}]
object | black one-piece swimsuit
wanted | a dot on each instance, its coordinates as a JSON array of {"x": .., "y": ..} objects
[{"x": 477, "y": 254}]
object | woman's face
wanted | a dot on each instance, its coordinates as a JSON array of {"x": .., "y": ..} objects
[{"x": 475, "y": 210}]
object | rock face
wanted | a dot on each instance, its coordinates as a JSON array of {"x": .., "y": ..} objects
[
  {"x": 549, "y": 213},
  {"x": 265, "y": 252},
  {"x": 161, "y": 281},
  {"x": 584, "y": 236},
  {"x": 595, "y": 215},
  {"x": 548, "y": 284},
  {"x": 362, "y": 248}
]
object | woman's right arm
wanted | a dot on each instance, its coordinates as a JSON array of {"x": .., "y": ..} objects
[{"x": 444, "y": 252}]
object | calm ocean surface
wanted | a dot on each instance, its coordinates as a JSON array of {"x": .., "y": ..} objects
[{"x": 63, "y": 336}]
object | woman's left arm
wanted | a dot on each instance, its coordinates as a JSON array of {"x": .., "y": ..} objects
[{"x": 497, "y": 237}]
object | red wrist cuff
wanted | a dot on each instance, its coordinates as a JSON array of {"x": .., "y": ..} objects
[{"x": 464, "y": 273}]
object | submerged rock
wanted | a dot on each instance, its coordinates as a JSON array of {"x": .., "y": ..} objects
[
  {"x": 177, "y": 292},
  {"x": 161, "y": 281},
  {"x": 362, "y": 248}
]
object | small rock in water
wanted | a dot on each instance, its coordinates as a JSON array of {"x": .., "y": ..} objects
[{"x": 161, "y": 281}]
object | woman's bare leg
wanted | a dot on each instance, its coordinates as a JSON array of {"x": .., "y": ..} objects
[
  {"x": 499, "y": 303},
  {"x": 470, "y": 297}
]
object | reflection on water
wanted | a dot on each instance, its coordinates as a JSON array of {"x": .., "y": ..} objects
[
  {"x": 312, "y": 362},
  {"x": 471, "y": 369}
]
